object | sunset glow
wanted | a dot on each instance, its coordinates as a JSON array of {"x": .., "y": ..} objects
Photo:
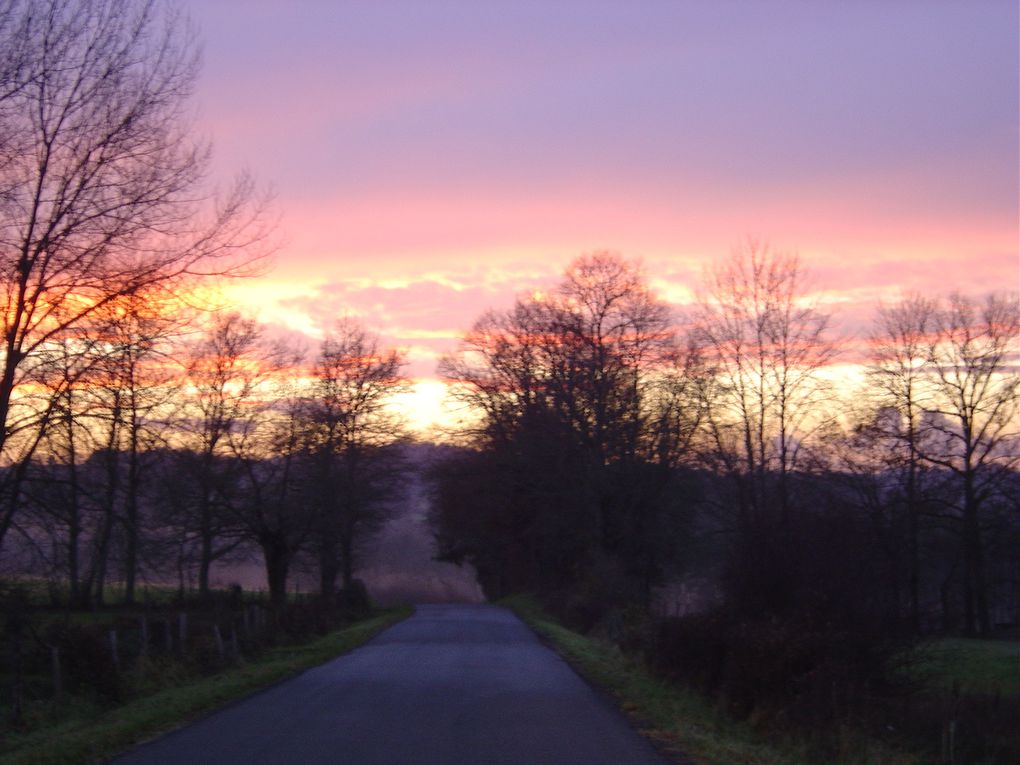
[
  {"x": 435, "y": 160},
  {"x": 401, "y": 346}
]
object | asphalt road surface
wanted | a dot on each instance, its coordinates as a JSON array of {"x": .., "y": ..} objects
[{"x": 464, "y": 685}]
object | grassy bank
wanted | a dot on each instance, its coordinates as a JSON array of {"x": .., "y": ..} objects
[
  {"x": 89, "y": 733},
  {"x": 975, "y": 666},
  {"x": 685, "y": 723}
]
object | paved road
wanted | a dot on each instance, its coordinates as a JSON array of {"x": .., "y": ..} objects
[{"x": 464, "y": 685}]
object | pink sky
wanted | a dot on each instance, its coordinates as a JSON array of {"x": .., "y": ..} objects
[{"x": 432, "y": 160}]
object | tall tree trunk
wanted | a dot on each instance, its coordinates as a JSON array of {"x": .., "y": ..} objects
[
  {"x": 205, "y": 557},
  {"x": 109, "y": 507},
  {"x": 131, "y": 531},
  {"x": 74, "y": 511},
  {"x": 328, "y": 572},
  {"x": 975, "y": 591},
  {"x": 277, "y": 555},
  {"x": 205, "y": 530},
  {"x": 347, "y": 561},
  {"x": 74, "y": 559},
  {"x": 913, "y": 542}
]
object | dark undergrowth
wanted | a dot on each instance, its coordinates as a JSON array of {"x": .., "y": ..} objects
[
  {"x": 76, "y": 687},
  {"x": 722, "y": 691}
]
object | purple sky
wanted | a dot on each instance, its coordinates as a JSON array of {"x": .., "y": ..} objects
[{"x": 433, "y": 158}]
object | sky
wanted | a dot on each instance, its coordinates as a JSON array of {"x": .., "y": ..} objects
[{"x": 434, "y": 159}]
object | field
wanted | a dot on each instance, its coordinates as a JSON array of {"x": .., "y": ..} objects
[{"x": 976, "y": 666}]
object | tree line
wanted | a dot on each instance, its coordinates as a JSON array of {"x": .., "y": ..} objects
[
  {"x": 615, "y": 447},
  {"x": 161, "y": 477},
  {"x": 144, "y": 429},
  {"x": 610, "y": 446}
]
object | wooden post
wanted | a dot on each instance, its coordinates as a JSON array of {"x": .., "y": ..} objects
[
  {"x": 949, "y": 731},
  {"x": 16, "y": 690},
  {"x": 145, "y": 636},
  {"x": 234, "y": 648},
  {"x": 58, "y": 677},
  {"x": 218, "y": 637},
  {"x": 168, "y": 635},
  {"x": 114, "y": 653},
  {"x": 182, "y": 630}
]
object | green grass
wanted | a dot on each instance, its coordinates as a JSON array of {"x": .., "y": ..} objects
[
  {"x": 683, "y": 721},
  {"x": 91, "y": 733},
  {"x": 978, "y": 666}
]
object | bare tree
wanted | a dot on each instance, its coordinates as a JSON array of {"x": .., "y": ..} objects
[
  {"x": 678, "y": 408},
  {"x": 61, "y": 508},
  {"x": 765, "y": 342},
  {"x": 132, "y": 383},
  {"x": 225, "y": 369},
  {"x": 580, "y": 395},
  {"x": 587, "y": 354},
  {"x": 617, "y": 331},
  {"x": 101, "y": 186},
  {"x": 351, "y": 435},
  {"x": 899, "y": 376},
  {"x": 973, "y": 432},
  {"x": 273, "y": 506}
]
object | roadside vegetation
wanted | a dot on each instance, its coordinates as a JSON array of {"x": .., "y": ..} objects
[
  {"x": 692, "y": 726},
  {"x": 975, "y": 666},
  {"x": 698, "y": 492},
  {"x": 99, "y": 705}
]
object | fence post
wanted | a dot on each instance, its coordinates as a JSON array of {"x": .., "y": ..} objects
[
  {"x": 182, "y": 629},
  {"x": 949, "y": 731},
  {"x": 114, "y": 653},
  {"x": 218, "y": 637},
  {"x": 16, "y": 689},
  {"x": 145, "y": 636},
  {"x": 58, "y": 677}
]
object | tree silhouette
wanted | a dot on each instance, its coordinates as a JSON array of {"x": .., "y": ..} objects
[{"x": 101, "y": 184}]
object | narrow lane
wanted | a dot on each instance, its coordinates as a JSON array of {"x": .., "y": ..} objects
[{"x": 452, "y": 685}]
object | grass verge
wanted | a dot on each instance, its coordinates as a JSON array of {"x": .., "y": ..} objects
[
  {"x": 93, "y": 734},
  {"x": 977, "y": 666},
  {"x": 683, "y": 723}
]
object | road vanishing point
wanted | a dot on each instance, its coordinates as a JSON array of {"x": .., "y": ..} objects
[{"x": 451, "y": 685}]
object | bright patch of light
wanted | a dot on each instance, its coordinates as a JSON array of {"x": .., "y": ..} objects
[
  {"x": 424, "y": 406},
  {"x": 264, "y": 298},
  {"x": 672, "y": 292}
]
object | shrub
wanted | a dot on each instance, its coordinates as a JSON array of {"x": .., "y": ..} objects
[
  {"x": 87, "y": 660},
  {"x": 353, "y": 601},
  {"x": 795, "y": 670}
]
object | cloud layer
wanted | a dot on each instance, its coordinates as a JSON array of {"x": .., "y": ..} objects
[{"x": 434, "y": 159}]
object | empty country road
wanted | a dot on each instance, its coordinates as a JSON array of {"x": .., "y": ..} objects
[{"x": 452, "y": 685}]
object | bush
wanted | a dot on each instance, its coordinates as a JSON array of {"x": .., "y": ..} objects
[
  {"x": 605, "y": 600},
  {"x": 87, "y": 660},
  {"x": 353, "y": 601},
  {"x": 793, "y": 670}
]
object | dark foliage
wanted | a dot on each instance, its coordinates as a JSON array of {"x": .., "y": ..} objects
[
  {"x": 86, "y": 660},
  {"x": 570, "y": 488},
  {"x": 795, "y": 670},
  {"x": 353, "y": 601},
  {"x": 526, "y": 526}
]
